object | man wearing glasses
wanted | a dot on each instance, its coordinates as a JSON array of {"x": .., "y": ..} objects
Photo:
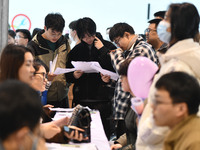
[
  {"x": 23, "y": 36},
  {"x": 131, "y": 45},
  {"x": 176, "y": 103},
  {"x": 152, "y": 36},
  {"x": 47, "y": 45}
]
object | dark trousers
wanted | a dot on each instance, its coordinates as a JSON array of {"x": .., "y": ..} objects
[{"x": 104, "y": 108}]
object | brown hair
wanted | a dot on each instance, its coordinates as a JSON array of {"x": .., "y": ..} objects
[{"x": 11, "y": 60}]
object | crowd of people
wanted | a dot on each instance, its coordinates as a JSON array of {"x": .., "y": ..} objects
[{"x": 153, "y": 105}]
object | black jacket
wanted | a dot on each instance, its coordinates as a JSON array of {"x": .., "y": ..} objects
[{"x": 90, "y": 87}]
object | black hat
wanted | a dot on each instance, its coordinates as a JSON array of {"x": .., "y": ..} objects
[{"x": 160, "y": 14}]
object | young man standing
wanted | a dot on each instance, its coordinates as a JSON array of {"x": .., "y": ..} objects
[
  {"x": 89, "y": 89},
  {"x": 131, "y": 45},
  {"x": 47, "y": 45},
  {"x": 176, "y": 104}
]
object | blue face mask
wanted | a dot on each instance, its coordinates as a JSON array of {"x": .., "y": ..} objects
[{"x": 162, "y": 32}]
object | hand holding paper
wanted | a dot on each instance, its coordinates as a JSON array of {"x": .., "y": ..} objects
[
  {"x": 51, "y": 76},
  {"x": 105, "y": 78},
  {"x": 112, "y": 75},
  {"x": 78, "y": 74},
  {"x": 93, "y": 67},
  {"x": 86, "y": 67}
]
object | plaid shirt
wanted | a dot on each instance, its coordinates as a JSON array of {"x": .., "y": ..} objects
[{"x": 121, "y": 99}]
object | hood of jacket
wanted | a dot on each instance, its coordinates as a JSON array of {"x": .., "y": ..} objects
[{"x": 39, "y": 40}]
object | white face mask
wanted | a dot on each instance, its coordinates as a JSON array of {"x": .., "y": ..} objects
[
  {"x": 72, "y": 35},
  {"x": 162, "y": 32}
]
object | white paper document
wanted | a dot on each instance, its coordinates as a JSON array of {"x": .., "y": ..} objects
[
  {"x": 52, "y": 65},
  {"x": 85, "y": 146},
  {"x": 85, "y": 66},
  {"x": 63, "y": 70},
  {"x": 61, "y": 109},
  {"x": 93, "y": 67},
  {"x": 112, "y": 75}
]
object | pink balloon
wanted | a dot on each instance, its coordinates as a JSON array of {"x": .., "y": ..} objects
[{"x": 141, "y": 71}]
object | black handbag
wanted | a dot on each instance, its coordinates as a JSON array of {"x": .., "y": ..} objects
[{"x": 81, "y": 118}]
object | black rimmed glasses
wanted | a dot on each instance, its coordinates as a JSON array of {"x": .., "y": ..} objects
[
  {"x": 20, "y": 37},
  {"x": 148, "y": 30},
  {"x": 116, "y": 41},
  {"x": 157, "y": 102},
  {"x": 44, "y": 75}
]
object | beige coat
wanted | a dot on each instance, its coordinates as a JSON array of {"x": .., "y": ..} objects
[{"x": 185, "y": 135}]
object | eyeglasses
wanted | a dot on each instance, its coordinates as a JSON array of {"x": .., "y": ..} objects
[
  {"x": 148, "y": 30},
  {"x": 18, "y": 37},
  {"x": 44, "y": 75},
  {"x": 156, "y": 103},
  {"x": 117, "y": 40}
]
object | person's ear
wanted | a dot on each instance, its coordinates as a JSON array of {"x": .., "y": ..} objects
[
  {"x": 45, "y": 28},
  {"x": 21, "y": 133},
  {"x": 169, "y": 29},
  {"x": 181, "y": 109},
  {"x": 26, "y": 40},
  {"x": 75, "y": 33},
  {"x": 127, "y": 35}
]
